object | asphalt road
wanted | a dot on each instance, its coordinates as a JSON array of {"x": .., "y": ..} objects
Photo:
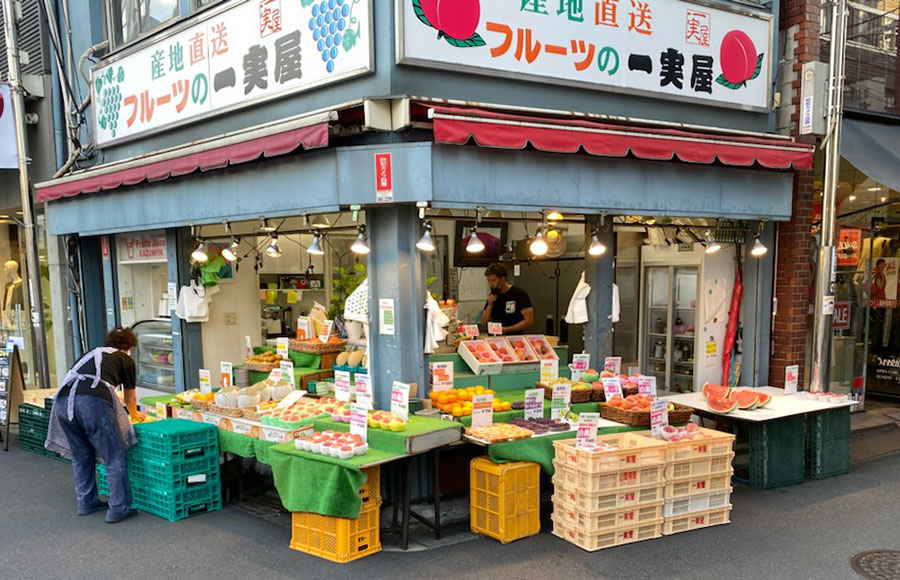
[{"x": 808, "y": 531}]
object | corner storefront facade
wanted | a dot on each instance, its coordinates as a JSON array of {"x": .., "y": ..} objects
[{"x": 510, "y": 111}]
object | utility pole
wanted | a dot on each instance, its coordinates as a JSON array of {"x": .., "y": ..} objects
[
  {"x": 35, "y": 298},
  {"x": 825, "y": 276}
]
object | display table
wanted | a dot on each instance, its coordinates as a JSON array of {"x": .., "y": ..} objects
[
  {"x": 244, "y": 445},
  {"x": 519, "y": 395},
  {"x": 778, "y": 434}
]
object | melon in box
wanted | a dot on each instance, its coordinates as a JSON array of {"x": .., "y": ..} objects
[
  {"x": 480, "y": 358},
  {"x": 541, "y": 346}
]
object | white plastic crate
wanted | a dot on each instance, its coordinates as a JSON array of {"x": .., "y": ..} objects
[
  {"x": 690, "y": 486},
  {"x": 607, "y": 520},
  {"x": 713, "y": 443},
  {"x": 710, "y": 465},
  {"x": 608, "y": 500},
  {"x": 633, "y": 451},
  {"x": 697, "y": 520},
  {"x": 697, "y": 503},
  {"x": 592, "y": 541},
  {"x": 630, "y": 477}
]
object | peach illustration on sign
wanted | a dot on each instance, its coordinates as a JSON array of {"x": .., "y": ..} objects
[
  {"x": 739, "y": 60},
  {"x": 455, "y": 20}
]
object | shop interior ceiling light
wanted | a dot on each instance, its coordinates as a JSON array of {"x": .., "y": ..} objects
[
  {"x": 597, "y": 248},
  {"x": 273, "y": 251},
  {"x": 426, "y": 243},
  {"x": 321, "y": 222},
  {"x": 554, "y": 216},
  {"x": 315, "y": 248},
  {"x": 361, "y": 245},
  {"x": 538, "y": 245},
  {"x": 759, "y": 249},
  {"x": 200, "y": 254},
  {"x": 264, "y": 225},
  {"x": 230, "y": 252},
  {"x": 474, "y": 245},
  {"x": 712, "y": 246}
]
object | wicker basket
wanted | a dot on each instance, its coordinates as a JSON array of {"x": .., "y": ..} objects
[
  {"x": 581, "y": 396},
  {"x": 225, "y": 411},
  {"x": 317, "y": 347},
  {"x": 252, "y": 414},
  {"x": 681, "y": 414},
  {"x": 598, "y": 395},
  {"x": 261, "y": 367},
  {"x": 200, "y": 405},
  {"x": 628, "y": 391}
]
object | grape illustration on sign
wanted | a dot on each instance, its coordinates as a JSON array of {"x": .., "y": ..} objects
[
  {"x": 739, "y": 60},
  {"x": 332, "y": 26},
  {"x": 455, "y": 20},
  {"x": 108, "y": 89}
]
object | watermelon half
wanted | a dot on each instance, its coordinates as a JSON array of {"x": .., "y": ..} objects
[
  {"x": 745, "y": 399},
  {"x": 721, "y": 390},
  {"x": 720, "y": 404},
  {"x": 764, "y": 399}
]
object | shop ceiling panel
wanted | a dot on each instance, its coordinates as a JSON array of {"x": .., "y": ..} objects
[{"x": 530, "y": 181}]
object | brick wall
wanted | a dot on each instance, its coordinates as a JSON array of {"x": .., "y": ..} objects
[{"x": 793, "y": 275}]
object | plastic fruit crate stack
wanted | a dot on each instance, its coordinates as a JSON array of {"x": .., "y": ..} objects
[
  {"x": 698, "y": 481},
  {"x": 33, "y": 424},
  {"x": 174, "y": 469},
  {"x": 609, "y": 498},
  {"x": 828, "y": 443},
  {"x": 777, "y": 452},
  {"x": 505, "y": 499},
  {"x": 342, "y": 539}
]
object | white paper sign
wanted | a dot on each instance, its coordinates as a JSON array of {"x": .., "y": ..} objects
[
  {"x": 358, "y": 421},
  {"x": 613, "y": 363},
  {"x": 275, "y": 375},
  {"x": 400, "y": 400},
  {"x": 581, "y": 362},
  {"x": 292, "y": 398},
  {"x": 303, "y": 328},
  {"x": 586, "y": 436},
  {"x": 549, "y": 370},
  {"x": 325, "y": 330},
  {"x": 791, "y": 379},
  {"x": 248, "y": 346},
  {"x": 282, "y": 347},
  {"x": 342, "y": 385},
  {"x": 659, "y": 415},
  {"x": 494, "y": 328},
  {"x": 225, "y": 379},
  {"x": 534, "y": 403},
  {"x": 562, "y": 393},
  {"x": 172, "y": 297},
  {"x": 363, "y": 386},
  {"x": 287, "y": 370},
  {"x": 647, "y": 386},
  {"x": 612, "y": 387},
  {"x": 386, "y": 316},
  {"x": 471, "y": 330},
  {"x": 441, "y": 375},
  {"x": 205, "y": 384},
  {"x": 482, "y": 410}
]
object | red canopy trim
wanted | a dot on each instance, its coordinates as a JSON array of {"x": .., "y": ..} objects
[
  {"x": 506, "y": 131},
  {"x": 213, "y": 154}
]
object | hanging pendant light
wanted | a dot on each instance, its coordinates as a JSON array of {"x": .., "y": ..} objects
[
  {"x": 474, "y": 245},
  {"x": 273, "y": 251},
  {"x": 200, "y": 254},
  {"x": 538, "y": 245},
  {"x": 315, "y": 248},
  {"x": 554, "y": 216},
  {"x": 321, "y": 222},
  {"x": 759, "y": 249},
  {"x": 712, "y": 246},
  {"x": 230, "y": 252},
  {"x": 361, "y": 245},
  {"x": 265, "y": 226},
  {"x": 426, "y": 243},
  {"x": 597, "y": 248}
]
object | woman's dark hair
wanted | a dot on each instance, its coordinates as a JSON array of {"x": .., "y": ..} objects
[{"x": 121, "y": 338}]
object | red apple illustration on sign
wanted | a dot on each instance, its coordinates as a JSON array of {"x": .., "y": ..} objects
[
  {"x": 455, "y": 20},
  {"x": 738, "y": 59}
]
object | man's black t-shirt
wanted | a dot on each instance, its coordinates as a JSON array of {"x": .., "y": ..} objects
[
  {"x": 508, "y": 306},
  {"x": 116, "y": 368}
]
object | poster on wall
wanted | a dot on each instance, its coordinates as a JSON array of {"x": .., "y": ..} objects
[
  {"x": 228, "y": 58},
  {"x": 669, "y": 48},
  {"x": 849, "y": 241},
  {"x": 141, "y": 249},
  {"x": 884, "y": 283}
]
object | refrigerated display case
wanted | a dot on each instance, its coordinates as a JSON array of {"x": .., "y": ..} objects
[{"x": 154, "y": 355}]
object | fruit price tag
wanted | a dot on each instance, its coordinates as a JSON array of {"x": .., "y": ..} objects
[
  {"x": 276, "y": 374},
  {"x": 549, "y": 370},
  {"x": 363, "y": 387},
  {"x": 580, "y": 362},
  {"x": 287, "y": 370},
  {"x": 292, "y": 398},
  {"x": 303, "y": 332},
  {"x": 441, "y": 375},
  {"x": 791, "y": 374},
  {"x": 586, "y": 437},
  {"x": 612, "y": 387},
  {"x": 248, "y": 346},
  {"x": 205, "y": 384},
  {"x": 161, "y": 411},
  {"x": 613, "y": 363},
  {"x": 482, "y": 410},
  {"x": 534, "y": 403},
  {"x": 359, "y": 414},
  {"x": 647, "y": 386},
  {"x": 342, "y": 385},
  {"x": 400, "y": 400},
  {"x": 325, "y": 330},
  {"x": 659, "y": 415},
  {"x": 562, "y": 393},
  {"x": 495, "y": 328},
  {"x": 471, "y": 330},
  {"x": 226, "y": 369},
  {"x": 282, "y": 347}
]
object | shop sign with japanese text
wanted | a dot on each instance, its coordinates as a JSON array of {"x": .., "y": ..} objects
[
  {"x": 229, "y": 58},
  {"x": 667, "y": 47},
  {"x": 137, "y": 249}
]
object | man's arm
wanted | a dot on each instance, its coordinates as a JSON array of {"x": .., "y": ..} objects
[
  {"x": 526, "y": 324},
  {"x": 488, "y": 308}
]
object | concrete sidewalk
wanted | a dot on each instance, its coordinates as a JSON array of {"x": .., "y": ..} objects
[{"x": 807, "y": 531}]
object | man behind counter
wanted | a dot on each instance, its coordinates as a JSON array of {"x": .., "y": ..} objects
[{"x": 506, "y": 304}]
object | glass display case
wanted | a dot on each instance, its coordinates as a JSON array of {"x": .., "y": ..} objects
[{"x": 154, "y": 355}]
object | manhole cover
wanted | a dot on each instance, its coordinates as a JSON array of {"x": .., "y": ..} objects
[{"x": 877, "y": 564}]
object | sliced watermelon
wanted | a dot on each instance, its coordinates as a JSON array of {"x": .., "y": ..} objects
[
  {"x": 746, "y": 399},
  {"x": 721, "y": 390},
  {"x": 720, "y": 404},
  {"x": 764, "y": 399}
]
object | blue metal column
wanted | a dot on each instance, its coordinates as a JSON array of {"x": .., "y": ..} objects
[
  {"x": 187, "y": 339},
  {"x": 598, "y": 274},
  {"x": 396, "y": 271},
  {"x": 110, "y": 281},
  {"x": 756, "y": 309}
]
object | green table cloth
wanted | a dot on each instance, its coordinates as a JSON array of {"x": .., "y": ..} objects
[{"x": 244, "y": 445}]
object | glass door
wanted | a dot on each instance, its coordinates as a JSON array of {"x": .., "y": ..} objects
[
  {"x": 683, "y": 330},
  {"x": 657, "y": 327}
]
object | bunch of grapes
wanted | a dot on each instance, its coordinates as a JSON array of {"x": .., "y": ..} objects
[
  {"x": 328, "y": 22},
  {"x": 110, "y": 104}
]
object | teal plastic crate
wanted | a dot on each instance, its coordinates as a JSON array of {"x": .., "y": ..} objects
[
  {"x": 102, "y": 482},
  {"x": 778, "y": 452},
  {"x": 166, "y": 503},
  {"x": 175, "y": 475},
  {"x": 34, "y": 412},
  {"x": 828, "y": 443},
  {"x": 176, "y": 439}
]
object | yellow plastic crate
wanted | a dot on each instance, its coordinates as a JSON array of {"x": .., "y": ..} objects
[
  {"x": 697, "y": 503},
  {"x": 605, "y": 500},
  {"x": 505, "y": 499},
  {"x": 371, "y": 489},
  {"x": 592, "y": 541},
  {"x": 337, "y": 539},
  {"x": 610, "y": 480},
  {"x": 697, "y": 520},
  {"x": 715, "y": 443},
  {"x": 594, "y": 521},
  {"x": 633, "y": 451},
  {"x": 689, "y": 486},
  {"x": 711, "y": 465}
]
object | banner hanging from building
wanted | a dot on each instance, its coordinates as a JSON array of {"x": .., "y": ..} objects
[
  {"x": 668, "y": 47},
  {"x": 230, "y": 58},
  {"x": 9, "y": 158}
]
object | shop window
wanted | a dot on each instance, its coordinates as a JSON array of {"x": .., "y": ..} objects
[
  {"x": 131, "y": 19},
  {"x": 201, "y": 4}
]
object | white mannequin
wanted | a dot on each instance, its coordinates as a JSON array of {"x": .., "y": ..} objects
[{"x": 13, "y": 295}]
